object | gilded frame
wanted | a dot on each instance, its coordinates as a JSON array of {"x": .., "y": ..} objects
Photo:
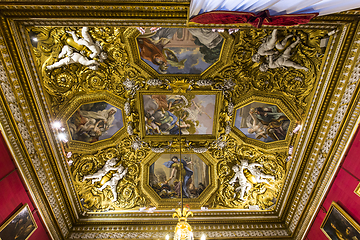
[
  {"x": 79, "y": 100},
  {"x": 357, "y": 190},
  {"x": 140, "y": 107},
  {"x": 170, "y": 203},
  {"x": 275, "y": 100},
  {"x": 15, "y": 215},
  {"x": 226, "y": 51},
  {"x": 343, "y": 214}
]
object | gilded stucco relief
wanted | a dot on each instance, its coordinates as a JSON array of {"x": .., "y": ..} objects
[{"x": 79, "y": 66}]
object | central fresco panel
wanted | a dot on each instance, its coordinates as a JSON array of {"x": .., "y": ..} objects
[
  {"x": 172, "y": 114},
  {"x": 207, "y": 115}
]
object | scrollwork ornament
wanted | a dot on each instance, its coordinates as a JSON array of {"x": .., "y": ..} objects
[
  {"x": 108, "y": 180},
  {"x": 278, "y": 61},
  {"x": 64, "y": 80},
  {"x": 247, "y": 176},
  {"x": 154, "y": 82}
]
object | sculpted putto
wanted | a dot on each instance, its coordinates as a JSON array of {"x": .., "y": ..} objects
[
  {"x": 283, "y": 60},
  {"x": 268, "y": 46},
  {"x": 259, "y": 176},
  {"x": 113, "y": 182},
  {"x": 87, "y": 41},
  {"x": 69, "y": 55},
  {"x": 244, "y": 184},
  {"x": 271, "y": 47},
  {"x": 105, "y": 169}
]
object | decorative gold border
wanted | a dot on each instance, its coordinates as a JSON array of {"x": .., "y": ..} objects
[
  {"x": 343, "y": 213},
  {"x": 274, "y": 100},
  {"x": 357, "y": 190},
  {"x": 15, "y": 215},
  {"x": 195, "y": 203},
  {"x": 215, "y": 132},
  {"x": 291, "y": 221},
  {"x": 70, "y": 108},
  {"x": 226, "y": 51}
]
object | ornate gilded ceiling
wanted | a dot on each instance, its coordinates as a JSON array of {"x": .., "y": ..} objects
[{"x": 130, "y": 99}]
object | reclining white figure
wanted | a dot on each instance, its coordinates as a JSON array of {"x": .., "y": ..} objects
[
  {"x": 69, "y": 56},
  {"x": 259, "y": 176},
  {"x": 113, "y": 182},
  {"x": 102, "y": 172},
  {"x": 87, "y": 41},
  {"x": 283, "y": 60},
  {"x": 268, "y": 46}
]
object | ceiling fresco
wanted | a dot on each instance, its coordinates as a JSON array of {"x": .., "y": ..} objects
[
  {"x": 161, "y": 114},
  {"x": 180, "y": 50},
  {"x": 242, "y": 115}
]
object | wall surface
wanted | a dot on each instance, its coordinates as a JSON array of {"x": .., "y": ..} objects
[
  {"x": 342, "y": 190},
  {"x": 14, "y": 193}
]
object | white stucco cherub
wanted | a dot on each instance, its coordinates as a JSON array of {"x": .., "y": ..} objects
[
  {"x": 87, "y": 41},
  {"x": 69, "y": 56},
  {"x": 270, "y": 46},
  {"x": 113, "y": 182},
  {"x": 105, "y": 169},
  {"x": 259, "y": 176},
  {"x": 239, "y": 177},
  {"x": 283, "y": 60}
]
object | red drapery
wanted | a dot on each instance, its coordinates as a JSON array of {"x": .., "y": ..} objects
[{"x": 257, "y": 20}]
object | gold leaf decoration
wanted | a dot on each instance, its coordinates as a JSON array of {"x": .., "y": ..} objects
[
  {"x": 127, "y": 189},
  {"x": 260, "y": 194}
]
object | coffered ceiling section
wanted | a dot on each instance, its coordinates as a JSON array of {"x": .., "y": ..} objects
[{"x": 112, "y": 118}]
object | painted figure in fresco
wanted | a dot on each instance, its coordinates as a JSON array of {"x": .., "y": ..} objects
[
  {"x": 69, "y": 56},
  {"x": 113, "y": 182},
  {"x": 87, "y": 41},
  {"x": 206, "y": 36},
  {"x": 186, "y": 174},
  {"x": 239, "y": 177},
  {"x": 266, "y": 114},
  {"x": 160, "y": 118},
  {"x": 267, "y": 48},
  {"x": 283, "y": 60},
  {"x": 152, "y": 44},
  {"x": 256, "y": 127},
  {"x": 268, "y": 122},
  {"x": 150, "y": 52},
  {"x": 277, "y": 130},
  {"x": 88, "y": 126},
  {"x": 109, "y": 166},
  {"x": 259, "y": 176},
  {"x": 106, "y": 117}
]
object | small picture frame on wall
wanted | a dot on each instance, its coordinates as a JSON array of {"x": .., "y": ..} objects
[
  {"x": 339, "y": 225},
  {"x": 19, "y": 226},
  {"x": 357, "y": 190}
]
